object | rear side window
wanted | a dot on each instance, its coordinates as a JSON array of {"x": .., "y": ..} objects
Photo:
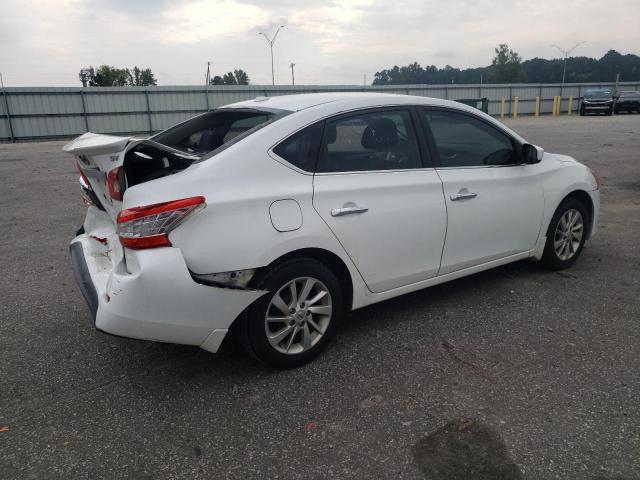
[
  {"x": 209, "y": 131},
  {"x": 381, "y": 140},
  {"x": 464, "y": 141},
  {"x": 301, "y": 148}
]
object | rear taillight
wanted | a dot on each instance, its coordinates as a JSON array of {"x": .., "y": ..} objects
[
  {"x": 113, "y": 184},
  {"x": 149, "y": 226},
  {"x": 85, "y": 187},
  {"x": 84, "y": 181}
]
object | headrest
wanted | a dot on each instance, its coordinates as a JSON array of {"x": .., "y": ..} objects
[
  {"x": 380, "y": 134},
  {"x": 331, "y": 133}
]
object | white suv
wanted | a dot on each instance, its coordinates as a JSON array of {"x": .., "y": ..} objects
[{"x": 273, "y": 217}]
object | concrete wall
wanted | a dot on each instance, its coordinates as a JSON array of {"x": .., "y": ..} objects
[{"x": 59, "y": 112}]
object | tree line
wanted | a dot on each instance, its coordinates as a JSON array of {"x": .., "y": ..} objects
[
  {"x": 110, "y": 76},
  {"x": 507, "y": 67}
]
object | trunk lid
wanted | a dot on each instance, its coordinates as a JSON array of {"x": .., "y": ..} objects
[
  {"x": 107, "y": 160},
  {"x": 97, "y": 155}
]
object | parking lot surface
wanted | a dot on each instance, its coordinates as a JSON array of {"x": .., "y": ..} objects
[{"x": 528, "y": 373}]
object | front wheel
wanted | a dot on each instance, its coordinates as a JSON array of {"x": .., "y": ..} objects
[
  {"x": 566, "y": 235},
  {"x": 295, "y": 321}
]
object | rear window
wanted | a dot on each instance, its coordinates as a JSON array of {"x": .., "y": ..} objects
[{"x": 207, "y": 132}]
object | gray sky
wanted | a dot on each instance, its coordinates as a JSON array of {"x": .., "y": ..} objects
[{"x": 46, "y": 42}]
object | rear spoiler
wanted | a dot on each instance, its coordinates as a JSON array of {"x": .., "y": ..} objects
[{"x": 97, "y": 144}]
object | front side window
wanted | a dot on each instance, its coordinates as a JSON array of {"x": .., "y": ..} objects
[
  {"x": 464, "y": 141},
  {"x": 382, "y": 140}
]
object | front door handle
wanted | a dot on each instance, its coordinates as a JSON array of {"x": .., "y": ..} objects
[
  {"x": 339, "y": 212},
  {"x": 463, "y": 194}
]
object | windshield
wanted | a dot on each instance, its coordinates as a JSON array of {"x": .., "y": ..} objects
[
  {"x": 597, "y": 94},
  {"x": 207, "y": 132}
]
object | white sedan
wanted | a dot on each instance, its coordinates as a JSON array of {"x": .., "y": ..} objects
[{"x": 274, "y": 217}]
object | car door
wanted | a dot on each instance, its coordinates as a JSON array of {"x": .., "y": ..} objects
[
  {"x": 381, "y": 201},
  {"x": 494, "y": 201}
]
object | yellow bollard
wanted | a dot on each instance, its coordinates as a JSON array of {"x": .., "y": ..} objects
[
  {"x": 502, "y": 108},
  {"x": 553, "y": 107},
  {"x": 570, "y": 106},
  {"x": 515, "y": 107},
  {"x": 537, "y": 112}
]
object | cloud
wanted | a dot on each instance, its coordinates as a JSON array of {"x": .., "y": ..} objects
[{"x": 46, "y": 42}]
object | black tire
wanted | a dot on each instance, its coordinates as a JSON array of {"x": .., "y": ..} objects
[
  {"x": 609, "y": 112},
  {"x": 251, "y": 328},
  {"x": 582, "y": 112},
  {"x": 550, "y": 258}
]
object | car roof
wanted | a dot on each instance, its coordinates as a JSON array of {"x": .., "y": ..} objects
[{"x": 297, "y": 102}]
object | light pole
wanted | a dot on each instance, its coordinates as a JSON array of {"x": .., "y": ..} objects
[
  {"x": 293, "y": 78},
  {"x": 271, "y": 41},
  {"x": 566, "y": 54}
]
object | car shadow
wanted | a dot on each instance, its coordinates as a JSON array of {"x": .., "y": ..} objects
[{"x": 233, "y": 364}]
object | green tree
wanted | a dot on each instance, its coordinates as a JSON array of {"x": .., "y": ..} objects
[
  {"x": 242, "y": 78},
  {"x": 142, "y": 77},
  {"x": 237, "y": 77},
  {"x": 506, "y": 66},
  {"x": 229, "y": 79},
  {"x": 109, "y": 76}
]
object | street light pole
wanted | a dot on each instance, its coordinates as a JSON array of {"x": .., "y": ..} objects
[
  {"x": 566, "y": 54},
  {"x": 293, "y": 78},
  {"x": 271, "y": 41}
]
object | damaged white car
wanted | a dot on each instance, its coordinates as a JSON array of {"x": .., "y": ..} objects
[{"x": 274, "y": 217}]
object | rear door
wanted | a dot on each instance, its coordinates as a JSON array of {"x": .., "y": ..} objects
[
  {"x": 380, "y": 197},
  {"x": 494, "y": 201}
]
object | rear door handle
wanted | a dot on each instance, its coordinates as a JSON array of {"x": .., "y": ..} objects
[
  {"x": 339, "y": 212},
  {"x": 463, "y": 195}
]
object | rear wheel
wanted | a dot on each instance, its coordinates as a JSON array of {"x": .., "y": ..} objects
[
  {"x": 295, "y": 321},
  {"x": 566, "y": 235}
]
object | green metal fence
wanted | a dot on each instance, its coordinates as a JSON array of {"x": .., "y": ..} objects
[{"x": 63, "y": 112}]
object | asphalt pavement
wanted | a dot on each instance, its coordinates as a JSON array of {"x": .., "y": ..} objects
[{"x": 517, "y": 372}]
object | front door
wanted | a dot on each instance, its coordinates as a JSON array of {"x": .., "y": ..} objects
[{"x": 494, "y": 201}]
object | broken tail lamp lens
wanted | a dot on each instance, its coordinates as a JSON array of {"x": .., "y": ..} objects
[
  {"x": 114, "y": 183},
  {"x": 149, "y": 226}
]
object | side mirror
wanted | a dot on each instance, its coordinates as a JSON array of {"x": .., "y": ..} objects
[{"x": 532, "y": 153}]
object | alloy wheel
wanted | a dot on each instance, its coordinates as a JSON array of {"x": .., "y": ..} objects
[
  {"x": 568, "y": 234},
  {"x": 298, "y": 315}
]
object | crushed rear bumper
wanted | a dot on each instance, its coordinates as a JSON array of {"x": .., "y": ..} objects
[
  {"x": 83, "y": 278},
  {"x": 150, "y": 294}
]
